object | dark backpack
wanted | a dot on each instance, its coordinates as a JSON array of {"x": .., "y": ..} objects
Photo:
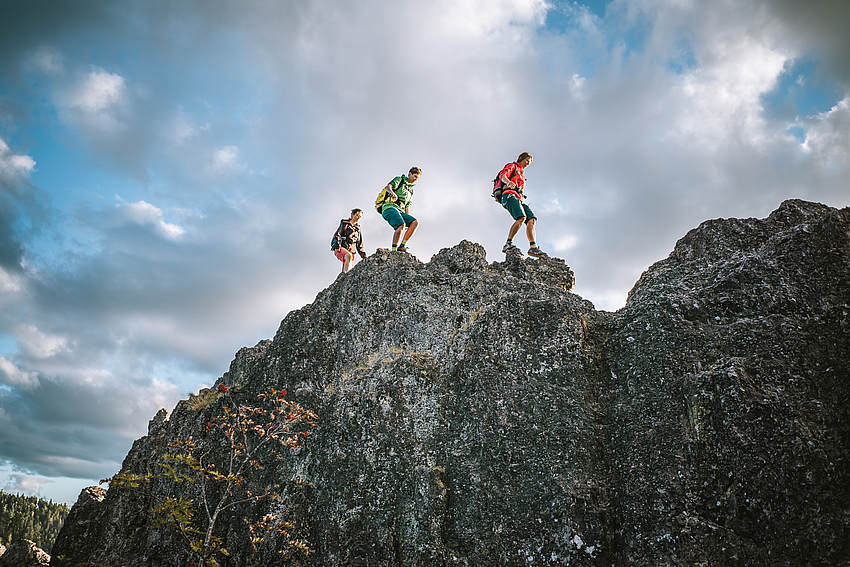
[
  {"x": 498, "y": 187},
  {"x": 338, "y": 239}
]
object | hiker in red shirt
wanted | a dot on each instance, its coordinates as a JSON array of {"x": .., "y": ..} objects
[{"x": 512, "y": 178}]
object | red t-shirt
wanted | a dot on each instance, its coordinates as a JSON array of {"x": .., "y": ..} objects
[{"x": 514, "y": 173}]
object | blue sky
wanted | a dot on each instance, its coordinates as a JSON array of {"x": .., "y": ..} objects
[{"x": 171, "y": 172}]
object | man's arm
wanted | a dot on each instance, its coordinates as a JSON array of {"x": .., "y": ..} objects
[
  {"x": 505, "y": 176},
  {"x": 390, "y": 189}
]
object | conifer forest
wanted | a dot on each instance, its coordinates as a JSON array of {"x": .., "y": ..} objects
[{"x": 30, "y": 517}]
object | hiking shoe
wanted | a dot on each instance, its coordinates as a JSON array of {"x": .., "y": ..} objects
[
  {"x": 402, "y": 248},
  {"x": 537, "y": 252},
  {"x": 508, "y": 246}
]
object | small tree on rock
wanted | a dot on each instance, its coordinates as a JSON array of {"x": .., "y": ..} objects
[{"x": 251, "y": 436}]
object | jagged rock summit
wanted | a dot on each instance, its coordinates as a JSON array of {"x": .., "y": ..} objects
[{"x": 475, "y": 413}]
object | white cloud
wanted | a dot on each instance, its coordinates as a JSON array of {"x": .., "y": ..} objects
[
  {"x": 721, "y": 99},
  {"x": 13, "y": 165},
  {"x": 143, "y": 213},
  {"x": 14, "y": 376},
  {"x": 577, "y": 86},
  {"x": 565, "y": 243},
  {"x": 181, "y": 128},
  {"x": 475, "y": 20},
  {"x": 96, "y": 102},
  {"x": 225, "y": 159},
  {"x": 37, "y": 344},
  {"x": 9, "y": 283},
  {"x": 27, "y": 484},
  {"x": 828, "y": 136},
  {"x": 99, "y": 91}
]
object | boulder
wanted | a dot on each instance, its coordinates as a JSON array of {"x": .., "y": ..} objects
[{"x": 23, "y": 553}]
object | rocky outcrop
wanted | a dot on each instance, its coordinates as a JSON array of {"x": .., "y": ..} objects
[
  {"x": 730, "y": 396},
  {"x": 24, "y": 553},
  {"x": 475, "y": 413},
  {"x": 82, "y": 532}
]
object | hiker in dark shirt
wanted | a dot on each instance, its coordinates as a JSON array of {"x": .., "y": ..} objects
[
  {"x": 347, "y": 239},
  {"x": 512, "y": 178}
]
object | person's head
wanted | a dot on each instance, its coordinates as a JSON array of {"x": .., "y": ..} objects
[
  {"x": 356, "y": 214},
  {"x": 413, "y": 174},
  {"x": 524, "y": 159}
]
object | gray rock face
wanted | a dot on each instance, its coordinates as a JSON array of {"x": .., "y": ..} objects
[
  {"x": 730, "y": 396},
  {"x": 23, "y": 553},
  {"x": 481, "y": 414},
  {"x": 81, "y": 533}
]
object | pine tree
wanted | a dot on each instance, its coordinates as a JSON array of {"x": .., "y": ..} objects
[{"x": 30, "y": 517}]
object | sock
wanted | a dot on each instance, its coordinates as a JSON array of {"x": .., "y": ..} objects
[
  {"x": 510, "y": 241},
  {"x": 404, "y": 243},
  {"x": 395, "y": 246},
  {"x": 532, "y": 244}
]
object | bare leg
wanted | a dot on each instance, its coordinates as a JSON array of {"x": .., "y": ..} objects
[
  {"x": 530, "y": 231},
  {"x": 515, "y": 228},
  {"x": 346, "y": 264},
  {"x": 410, "y": 230},
  {"x": 397, "y": 235}
]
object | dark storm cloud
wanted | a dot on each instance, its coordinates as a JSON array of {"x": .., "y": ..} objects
[
  {"x": 27, "y": 25},
  {"x": 11, "y": 249},
  {"x": 820, "y": 25},
  {"x": 77, "y": 427},
  {"x": 21, "y": 208}
]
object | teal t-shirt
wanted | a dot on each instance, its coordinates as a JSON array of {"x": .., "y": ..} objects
[{"x": 403, "y": 190}]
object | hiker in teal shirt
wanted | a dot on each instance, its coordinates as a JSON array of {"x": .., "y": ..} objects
[{"x": 396, "y": 211}]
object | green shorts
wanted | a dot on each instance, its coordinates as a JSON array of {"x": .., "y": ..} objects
[
  {"x": 396, "y": 218},
  {"x": 517, "y": 208}
]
